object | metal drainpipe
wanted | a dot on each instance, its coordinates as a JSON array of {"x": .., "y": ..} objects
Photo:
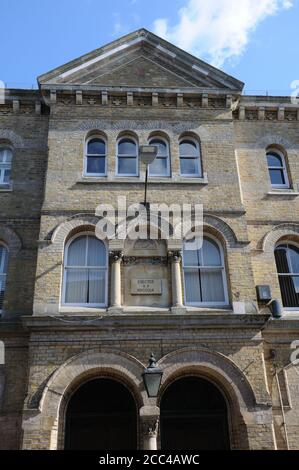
[{"x": 282, "y": 409}]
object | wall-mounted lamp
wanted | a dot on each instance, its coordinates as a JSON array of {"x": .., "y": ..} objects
[{"x": 152, "y": 377}]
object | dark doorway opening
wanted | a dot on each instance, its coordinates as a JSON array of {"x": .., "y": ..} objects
[
  {"x": 101, "y": 415},
  {"x": 194, "y": 416}
]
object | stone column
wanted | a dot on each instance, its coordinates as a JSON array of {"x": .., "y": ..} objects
[
  {"x": 149, "y": 416},
  {"x": 116, "y": 259},
  {"x": 176, "y": 281}
]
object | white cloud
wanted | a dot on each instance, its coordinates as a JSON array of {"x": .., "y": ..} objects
[{"x": 218, "y": 29}]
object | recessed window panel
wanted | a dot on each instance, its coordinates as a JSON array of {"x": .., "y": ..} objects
[
  {"x": 188, "y": 148},
  {"x": 127, "y": 166},
  {"x": 126, "y": 147},
  {"x": 86, "y": 272},
  {"x": 158, "y": 167},
  {"x": 96, "y": 147},
  {"x": 277, "y": 177},
  {"x": 189, "y": 166},
  {"x": 287, "y": 263},
  {"x": 277, "y": 170},
  {"x": 161, "y": 164},
  {"x": 96, "y": 165},
  {"x": 95, "y": 157},
  {"x": 204, "y": 275},
  {"x": 5, "y": 166}
]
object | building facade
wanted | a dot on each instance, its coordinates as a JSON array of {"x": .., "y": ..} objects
[{"x": 80, "y": 316}]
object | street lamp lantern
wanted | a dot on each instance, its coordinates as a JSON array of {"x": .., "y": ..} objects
[
  {"x": 147, "y": 154},
  {"x": 152, "y": 377}
]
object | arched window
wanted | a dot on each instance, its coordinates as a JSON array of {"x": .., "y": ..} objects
[
  {"x": 287, "y": 263},
  {"x": 161, "y": 164},
  {"x": 204, "y": 274},
  {"x": 127, "y": 161},
  {"x": 85, "y": 272},
  {"x": 190, "y": 164},
  {"x": 3, "y": 272},
  {"x": 95, "y": 157},
  {"x": 5, "y": 166},
  {"x": 277, "y": 169}
]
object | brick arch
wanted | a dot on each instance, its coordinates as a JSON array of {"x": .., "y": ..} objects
[
  {"x": 278, "y": 232},
  {"x": 243, "y": 407},
  {"x": 81, "y": 368},
  {"x": 218, "y": 226},
  {"x": 213, "y": 364},
  {"x": 11, "y": 239},
  {"x": 156, "y": 134},
  {"x": 223, "y": 373},
  {"x": 12, "y": 137},
  {"x": 270, "y": 140},
  {"x": 65, "y": 229}
]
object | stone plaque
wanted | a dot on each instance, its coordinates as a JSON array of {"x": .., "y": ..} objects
[{"x": 146, "y": 286}]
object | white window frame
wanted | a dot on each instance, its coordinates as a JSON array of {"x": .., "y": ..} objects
[
  {"x": 286, "y": 242},
  {"x": 5, "y": 164},
  {"x": 133, "y": 139},
  {"x": 3, "y": 275},
  {"x": 65, "y": 268},
  {"x": 194, "y": 141},
  {"x": 167, "y": 157},
  {"x": 283, "y": 168},
  {"x": 206, "y": 268},
  {"x": 87, "y": 155}
]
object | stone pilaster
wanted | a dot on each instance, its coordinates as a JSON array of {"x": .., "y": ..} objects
[
  {"x": 116, "y": 259},
  {"x": 175, "y": 258}
]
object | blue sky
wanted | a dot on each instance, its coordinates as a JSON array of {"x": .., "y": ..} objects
[{"x": 254, "y": 40}]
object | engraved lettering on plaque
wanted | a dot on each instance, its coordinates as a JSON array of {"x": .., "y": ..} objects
[{"x": 146, "y": 286}]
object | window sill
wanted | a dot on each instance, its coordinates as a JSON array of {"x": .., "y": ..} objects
[
  {"x": 291, "y": 312},
  {"x": 216, "y": 310},
  {"x": 6, "y": 188},
  {"x": 139, "y": 180},
  {"x": 283, "y": 192},
  {"x": 78, "y": 310}
]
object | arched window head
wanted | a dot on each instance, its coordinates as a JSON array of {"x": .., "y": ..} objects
[
  {"x": 277, "y": 169},
  {"x": 204, "y": 274},
  {"x": 127, "y": 161},
  {"x": 5, "y": 166},
  {"x": 287, "y": 263},
  {"x": 161, "y": 164},
  {"x": 190, "y": 164},
  {"x": 95, "y": 157},
  {"x": 85, "y": 272},
  {"x": 3, "y": 272}
]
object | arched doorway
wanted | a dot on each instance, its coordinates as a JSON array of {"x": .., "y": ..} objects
[
  {"x": 193, "y": 416},
  {"x": 101, "y": 415}
]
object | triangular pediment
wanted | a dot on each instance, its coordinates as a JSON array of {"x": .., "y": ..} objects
[{"x": 140, "y": 59}]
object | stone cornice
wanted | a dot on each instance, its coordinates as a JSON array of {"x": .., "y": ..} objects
[
  {"x": 138, "y": 97},
  {"x": 259, "y": 108},
  {"x": 283, "y": 326},
  {"x": 158, "y": 321},
  {"x": 24, "y": 102},
  {"x": 244, "y": 108}
]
